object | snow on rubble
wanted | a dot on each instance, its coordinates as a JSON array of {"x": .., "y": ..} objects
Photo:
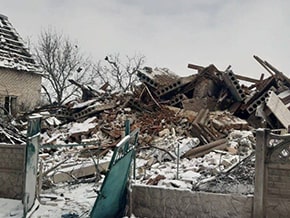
[{"x": 195, "y": 133}]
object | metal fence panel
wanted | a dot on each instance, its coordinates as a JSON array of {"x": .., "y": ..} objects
[
  {"x": 32, "y": 148},
  {"x": 111, "y": 200}
]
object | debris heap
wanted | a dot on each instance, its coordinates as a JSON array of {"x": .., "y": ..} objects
[{"x": 194, "y": 130}]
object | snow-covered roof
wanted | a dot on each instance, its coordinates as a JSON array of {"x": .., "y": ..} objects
[{"x": 13, "y": 52}]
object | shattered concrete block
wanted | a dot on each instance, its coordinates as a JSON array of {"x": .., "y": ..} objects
[
  {"x": 174, "y": 183},
  {"x": 226, "y": 163},
  {"x": 69, "y": 173},
  {"x": 233, "y": 144},
  {"x": 177, "y": 99},
  {"x": 155, "y": 180},
  {"x": 168, "y": 89},
  {"x": 97, "y": 107},
  {"x": 187, "y": 144},
  {"x": 164, "y": 132},
  {"x": 253, "y": 106},
  {"x": 278, "y": 108},
  {"x": 245, "y": 142},
  {"x": 234, "y": 86},
  {"x": 232, "y": 150},
  {"x": 190, "y": 176},
  {"x": 217, "y": 170},
  {"x": 212, "y": 158},
  {"x": 217, "y": 124},
  {"x": 150, "y": 162},
  {"x": 143, "y": 77}
]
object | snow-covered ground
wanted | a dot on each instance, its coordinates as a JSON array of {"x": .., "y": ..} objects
[
  {"x": 56, "y": 202},
  {"x": 62, "y": 200},
  {"x": 10, "y": 208},
  {"x": 75, "y": 199}
]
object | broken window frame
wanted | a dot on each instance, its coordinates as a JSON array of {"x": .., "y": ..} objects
[{"x": 10, "y": 104}]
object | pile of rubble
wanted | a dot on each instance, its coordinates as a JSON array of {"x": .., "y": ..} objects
[
  {"x": 11, "y": 131},
  {"x": 194, "y": 130}
]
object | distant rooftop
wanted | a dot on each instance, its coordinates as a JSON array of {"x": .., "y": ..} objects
[{"x": 13, "y": 52}]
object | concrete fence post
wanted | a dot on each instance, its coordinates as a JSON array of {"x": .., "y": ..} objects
[{"x": 262, "y": 137}]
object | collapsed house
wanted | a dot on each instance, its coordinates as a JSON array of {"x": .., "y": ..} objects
[{"x": 196, "y": 133}]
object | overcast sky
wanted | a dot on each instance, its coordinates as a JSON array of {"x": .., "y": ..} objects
[{"x": 169, "y": 34}]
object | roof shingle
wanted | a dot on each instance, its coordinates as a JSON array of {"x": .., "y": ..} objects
[{"x": 13, "y": 52}]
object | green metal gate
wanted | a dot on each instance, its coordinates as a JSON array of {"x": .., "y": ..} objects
[
  {"x": 32, "y": 147},
  {"x": 111, "y": 200}
]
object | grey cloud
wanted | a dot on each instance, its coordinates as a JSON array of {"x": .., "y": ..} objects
[
  {"x": 164, "y": 7},
  {"x": 169, "y": 33}
]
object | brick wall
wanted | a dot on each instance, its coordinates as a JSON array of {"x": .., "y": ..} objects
[
  {"x": 12, "y": 171},
  {"x": 26, "y": 86},
  {"x": 152, "y": 201}
]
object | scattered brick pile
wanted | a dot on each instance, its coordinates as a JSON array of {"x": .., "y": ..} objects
[{"x": 206, "y": 107}]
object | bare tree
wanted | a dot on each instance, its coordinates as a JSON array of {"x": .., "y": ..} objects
[
  {"x": 121, "y": 75},
  {"x": 61, "y": 60}
]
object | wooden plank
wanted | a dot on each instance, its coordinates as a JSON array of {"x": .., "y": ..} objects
[
  {"x": 203, "y": 149},
  {"x": 248, "y": 79},
  {"x": 195, "y": 67}
]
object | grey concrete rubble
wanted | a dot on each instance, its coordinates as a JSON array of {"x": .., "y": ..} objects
[
  {"x": 196, "y": 133},
  {"x": 208, "y": 130}
]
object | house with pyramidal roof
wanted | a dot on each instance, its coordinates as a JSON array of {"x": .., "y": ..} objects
[{"x": 20, "y": 77}]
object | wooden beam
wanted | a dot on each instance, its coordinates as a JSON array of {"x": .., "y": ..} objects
[
  {"x": 195, "y": 67},
  {"x": 248, "y": 79},
  {"x": 260, "y": 61}
]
